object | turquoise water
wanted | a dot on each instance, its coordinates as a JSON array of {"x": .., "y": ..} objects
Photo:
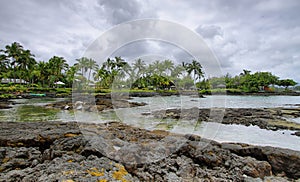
[{"x": 33, "y": 110}]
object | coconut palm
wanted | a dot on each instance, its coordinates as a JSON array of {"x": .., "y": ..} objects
[
  {"x": 45, "y": 72},
  {"x": 82, "y": 65},
  {"x": 177, "y": 71},
  {"x": 91, "y": 65},
  {"x": 14, "y": 54},
  {"x": 195, "y": 68},
  {"x": 57, "y": 65},
  {"x": 159, "y": 68},
  {"x": 70, "y": 74},
  {"x": 168, "y": 66},
  {"x": 139, "y": 67}
]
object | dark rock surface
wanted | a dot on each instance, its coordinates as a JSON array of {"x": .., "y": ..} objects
[
  {"x": 265, "y": 118},
  {"x": 56, "y": 151},
  {"x": 99, "y": 103},
  {"x": 5, "y": 104}
]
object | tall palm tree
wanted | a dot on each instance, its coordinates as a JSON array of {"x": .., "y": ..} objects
[
  {"x": 44, "y": 69},
  {"x": 102, "y": 75},
  {"x": 149, "y": 70},
  {"x": 139, "y": 67},
  {"x": 13, "y": 53},
  {"x": 195, "y": 68},
  {"x": 91, "y": 65},
  {"x": 122, "y": 67},
  {"x": 82, "y": 65},
  {"x": 169, "y": 66},
  {"x": 3, "y": 64},
  {"x": 70, "y": 74},
  {"x": 177, "y": 71},
  {"x": 26, "y": 64},
  {"x": 158, "y": 67},
  {"x": 57, "y": 65}
]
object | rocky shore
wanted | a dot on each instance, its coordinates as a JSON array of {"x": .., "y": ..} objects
[
  {"x": 265, "y": 118},
  {"x": 99, "y": 103},
  {"x": 5, "y": 104},
  {"x": 56, "y": 151}
]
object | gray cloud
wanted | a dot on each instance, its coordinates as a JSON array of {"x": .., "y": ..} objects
[
  {"x": 209, "y": 31},
  {"x": 120, "y": 11},
  {"x": 261, "y": 35}
]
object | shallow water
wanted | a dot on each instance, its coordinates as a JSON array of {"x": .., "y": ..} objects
[{"x": 33, "y": 110}]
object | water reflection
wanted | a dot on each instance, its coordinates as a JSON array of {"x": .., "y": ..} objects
[{"x": 33, "y": 110}]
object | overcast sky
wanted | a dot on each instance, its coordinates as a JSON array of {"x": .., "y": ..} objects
[{"x": 259, "y": 35}]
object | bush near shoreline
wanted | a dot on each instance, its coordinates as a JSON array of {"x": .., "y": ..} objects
[{"x": 15, "y": 91}]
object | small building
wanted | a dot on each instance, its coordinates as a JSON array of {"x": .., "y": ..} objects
[{"x": 12, "y": 80}]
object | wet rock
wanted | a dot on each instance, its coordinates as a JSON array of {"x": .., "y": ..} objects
[
  {"x": 270, "y": 119},
  {"x": 297, "y": 133},
  {"x": 5, "y": 104},
  {"x": 99, "y": 103},
  {"x": 55, "y": 151},
  {"x": 283, "y": 161}
]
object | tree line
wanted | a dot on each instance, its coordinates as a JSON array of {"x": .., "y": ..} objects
[
  {"x": 19, "y": 63},
  {"x": 247, "y": 82}
]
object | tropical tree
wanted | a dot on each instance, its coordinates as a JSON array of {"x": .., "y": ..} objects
[
  {"x": 168, "y": 66},
  {"x": 3, "y": 64},
  {"x": 139, "y": 67},
  {"x": 91, "y": 65},
  {"x": 13, "y": 54},
  {"x": 57, "y": 66},
  {"x": 21, "y": 61},
  {"x": 44, "y": 72},
  {"x": 177, "y": 71},
  {"x": 158, "y": 67},
  {"x": 286, "y": 83},
  {"x": 82, "y": 65},
  {"x": 102, "y": 76},
  {"x": 70, "y": 75},
  {"x": 110, "y": 70},
  {"x": 195, "y": 68}
]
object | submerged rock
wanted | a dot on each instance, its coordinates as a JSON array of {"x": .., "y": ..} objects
[
  {"x": 99, "y": 103},
  {"x": 270, "y": 119},
  {"x": 56, "y": 151}
]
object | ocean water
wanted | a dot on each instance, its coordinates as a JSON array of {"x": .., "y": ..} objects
[{"x": 32, "y": 110}]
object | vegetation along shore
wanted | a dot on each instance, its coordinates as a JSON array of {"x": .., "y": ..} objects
[{"x": 22, "y": 75}]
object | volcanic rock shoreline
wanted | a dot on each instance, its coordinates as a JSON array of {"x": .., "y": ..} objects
[
  {"x": 70, "y": 151},
  {"x": 264, "y": 118}
]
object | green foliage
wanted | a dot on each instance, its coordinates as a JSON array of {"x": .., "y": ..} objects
[
  {"x": 7, "y": 96},
  {"x": 17, "y": 62},
  {"x": 286, "y": 83}
]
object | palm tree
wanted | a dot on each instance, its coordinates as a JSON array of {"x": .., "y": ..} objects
[
  {"x": 150, "y": 70},
  {"x": 196, "y": 68},
  {"x": 177, "y": 71},
  {"x": 169, "y": 66},
  {"x": 245, "y": 72},
  {"x": 102, "y": 75},
  {"x": 44, "y": 69},
  {"x": 70, "y": 74},
  {"x": 158, "y": 67},
  {"x": 26, "y": 64},
  {"x": 13, "y": 53},
  {"x": 3, "y": 64},
  {"x": 57, "y": 65},
  {"x": 91, "y": 65},
  {"x": 140, "y": 66},
  {"x": 82, "y": 65}
]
